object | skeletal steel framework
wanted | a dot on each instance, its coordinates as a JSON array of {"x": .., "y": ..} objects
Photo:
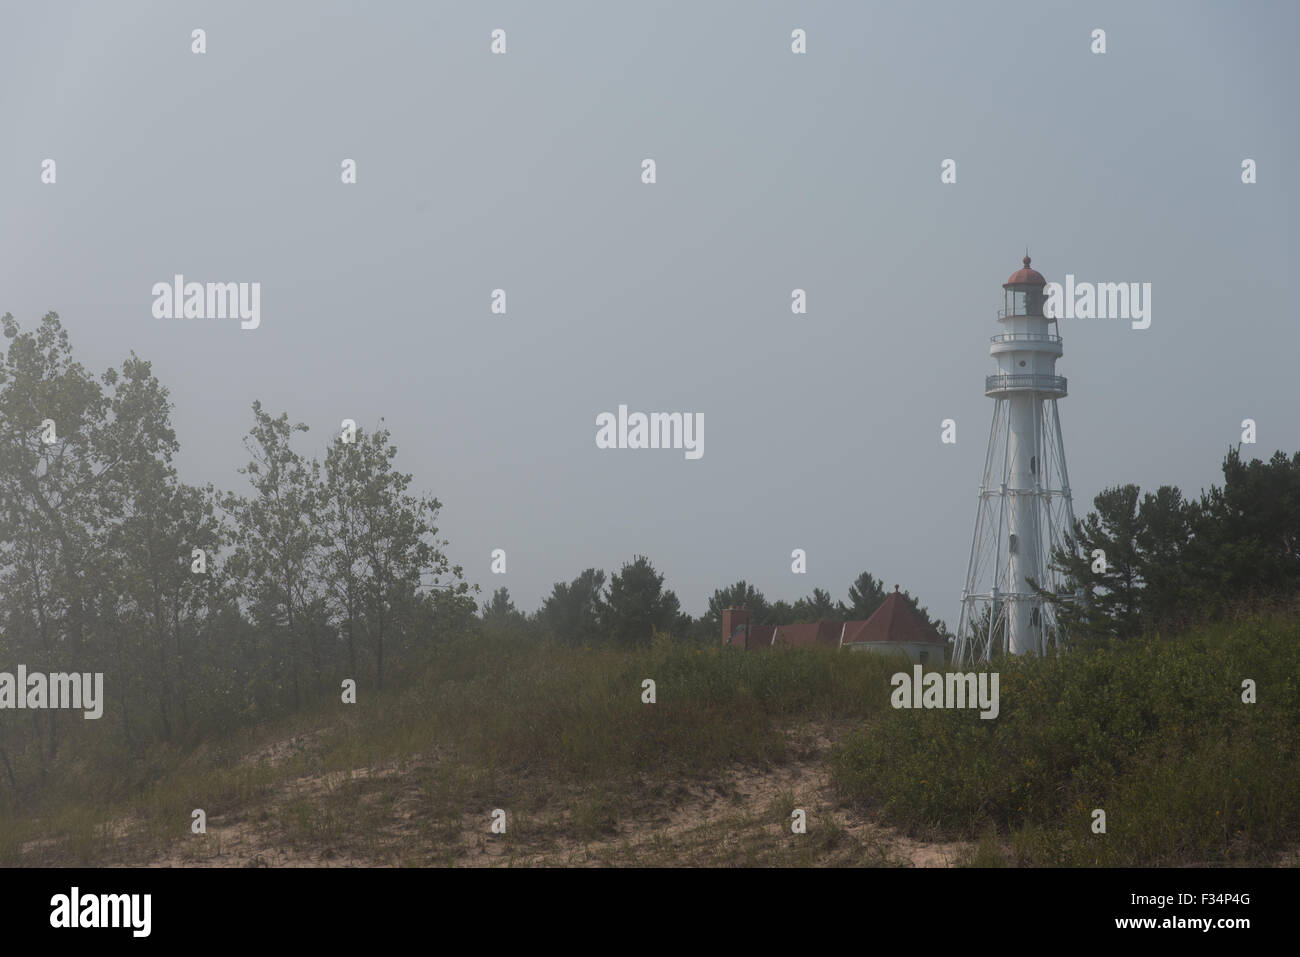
[{"x": 1025, "y": 509}]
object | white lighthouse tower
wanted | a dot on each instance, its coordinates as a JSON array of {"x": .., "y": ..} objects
[{"x": 1024, "y": 499}]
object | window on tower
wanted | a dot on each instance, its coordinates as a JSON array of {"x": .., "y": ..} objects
[{"x": 1034, "y": 302}]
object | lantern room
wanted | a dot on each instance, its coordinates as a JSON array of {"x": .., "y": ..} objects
[{"x": 1024, "y": 292}]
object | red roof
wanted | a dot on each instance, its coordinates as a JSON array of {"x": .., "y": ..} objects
[
  {"x": 813, "y": 633},
  {"x": 1026, "y": 276},
  {"x": 895, "y": 620},
  {"x": 853, "y": 630}
]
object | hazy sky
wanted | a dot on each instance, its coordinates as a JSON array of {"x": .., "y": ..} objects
[{"x": 775, "y": 171}]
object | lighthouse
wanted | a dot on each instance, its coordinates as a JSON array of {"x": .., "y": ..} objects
[{"x": 1024, "y": 507}]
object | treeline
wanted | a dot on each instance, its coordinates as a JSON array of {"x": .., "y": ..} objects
[
  {"x": 1159, "y": 562},
  {"x": 203, "y": 608},
  {"x": 206, "y": 609},
  {"x": 866, "y": 594},
  {"x": 635, "y": 604}
]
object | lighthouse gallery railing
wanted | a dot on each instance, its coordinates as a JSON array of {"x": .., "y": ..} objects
[
  {"x": 1025, "y": 337},
  {"x": 1025, "y": 382}
]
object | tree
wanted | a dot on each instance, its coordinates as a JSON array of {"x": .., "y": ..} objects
[
  {"x": 637, "y": 604},
  {"x": 572, "y": 612},
  {"x": 780, "y": 612},
  {"x": 1123, "y": 567},
  {"x": 501, "y": 610},
  {"x": 54, "y": 461},
  {"x": 1101, "y": 564},
  {"x": 866, "y": 594},
  {"x": 383, "y": 545},
  {"x": 279, "y": 535},
  {"x": 344, "y": 563},
  {"x": 936, "y": 623},
  {"x": 163, "y": 603},
  {"x": 1164, "y": 535},
  {"x": 68, "y": 448},
  {"x": 449, "y": 609},
  {"x": 818, "y": 607},
  {"x": 1247, "y": 533},
  {"x": 739, "y": 595},
  {"x": 98, "y": 535}
]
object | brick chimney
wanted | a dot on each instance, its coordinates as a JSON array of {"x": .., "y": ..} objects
[{"x": 733, "y": 618}]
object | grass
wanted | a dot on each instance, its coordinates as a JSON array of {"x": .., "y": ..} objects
[{"x": 1153, "y": 732}]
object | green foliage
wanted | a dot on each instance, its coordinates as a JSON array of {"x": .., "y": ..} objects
[
  {"x": 637, "y": 604},
  {"x": 278, "y": 540},
  {"x": 779, "y": 612},
  {"x": 1170, "y": 562},
  {"x": 627, "y": 612},
  {"x": 578, "y": 712},
  {"x": 501, "y": 610},
  {"x": 572, "y": 612},
  {"x": 740, "y": 595},
  {"x": 1111, "y": 591},
  {"x": 334, "y": 569},
  {"x": 1247, "y": 533},
  {"x": 866, "y": 594},
  {"x": 382, "y": 545},
  {"x": 819, "y": 606},
  {"x": 98, "y": 570},
  {"x": 1153, "y": 731}
]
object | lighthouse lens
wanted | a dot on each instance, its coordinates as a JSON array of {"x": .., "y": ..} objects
[{"x": 1025, "y": 302}]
